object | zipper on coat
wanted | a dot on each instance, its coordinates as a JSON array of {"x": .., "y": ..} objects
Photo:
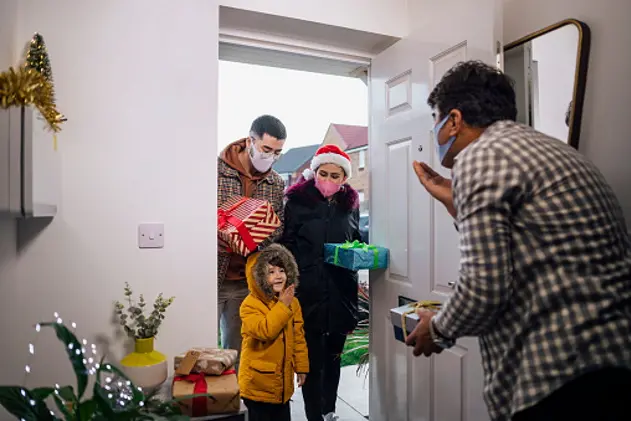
[
  {"x": 322, "y": 268},
  {"x": 283, "y": 368}
]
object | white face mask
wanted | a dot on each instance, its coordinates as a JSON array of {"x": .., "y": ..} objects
[{"x": 261, "y": 161}]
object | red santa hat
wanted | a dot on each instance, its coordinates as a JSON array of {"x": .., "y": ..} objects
[{"x": 329, "y": 154}]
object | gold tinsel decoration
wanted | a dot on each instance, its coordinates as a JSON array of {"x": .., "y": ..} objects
[{"x": 27, "y": 87}]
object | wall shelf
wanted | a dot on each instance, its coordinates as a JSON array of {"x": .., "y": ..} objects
[{"x": 30, "y": 166}]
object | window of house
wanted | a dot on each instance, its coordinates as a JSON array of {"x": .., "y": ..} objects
[
  {"x": 362, "y": 160},
  {"x": 363, "y": 203}
]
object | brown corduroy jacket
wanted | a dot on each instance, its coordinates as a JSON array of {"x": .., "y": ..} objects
[{"x": 229, "y": 184}]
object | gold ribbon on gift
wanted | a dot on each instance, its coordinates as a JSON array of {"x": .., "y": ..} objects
[{"x": 425, "y": 305}]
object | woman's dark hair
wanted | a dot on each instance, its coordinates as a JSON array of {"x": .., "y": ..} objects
[
  {"x": 278, "y": 262},
  {"x": 483, "y": 94}
]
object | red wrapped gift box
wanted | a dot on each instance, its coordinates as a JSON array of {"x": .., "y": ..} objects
[
  {"x": 243, "y": 223},
  {"x": 219, "y": 394}
]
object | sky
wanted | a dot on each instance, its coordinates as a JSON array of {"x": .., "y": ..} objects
[{"x": 305, "y": 102}]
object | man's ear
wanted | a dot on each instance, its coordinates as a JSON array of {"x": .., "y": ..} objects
[{"x": 455, "y": 122}]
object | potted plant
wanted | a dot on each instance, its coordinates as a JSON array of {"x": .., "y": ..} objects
[
  {"x": 145, "y": 366},
  {"x": 356, "y": 349},
  {"x": 114, "y": 396}
]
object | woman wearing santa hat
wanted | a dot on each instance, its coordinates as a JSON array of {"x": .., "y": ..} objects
[{"x": 320, "y": 209}]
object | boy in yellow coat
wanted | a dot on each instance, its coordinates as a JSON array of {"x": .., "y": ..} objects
[{"x": 274, "y": 346}]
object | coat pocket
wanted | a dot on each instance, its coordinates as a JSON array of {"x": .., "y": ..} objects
[{"x": 264, "y": 375}]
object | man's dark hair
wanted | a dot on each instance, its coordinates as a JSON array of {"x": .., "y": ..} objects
[
  {"x": 270, "y": 125},
  {"x": 483, "y": 94}
]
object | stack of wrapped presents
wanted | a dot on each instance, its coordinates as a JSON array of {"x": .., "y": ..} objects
[{"x": 209, "y": 375}]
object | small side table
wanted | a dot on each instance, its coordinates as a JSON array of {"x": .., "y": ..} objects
[{"x": 165, "y": 394}]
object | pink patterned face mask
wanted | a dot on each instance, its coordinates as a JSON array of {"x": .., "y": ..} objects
[{"x": 327, "y": 187}]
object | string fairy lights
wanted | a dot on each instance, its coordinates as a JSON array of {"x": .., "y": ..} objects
[{"x": 118, "y": 390}]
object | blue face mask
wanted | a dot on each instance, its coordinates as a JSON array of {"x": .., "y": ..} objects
[{"x": 442, "y": 150}]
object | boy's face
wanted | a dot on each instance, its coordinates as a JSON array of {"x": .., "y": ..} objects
[{"x": 277, "y": 278}]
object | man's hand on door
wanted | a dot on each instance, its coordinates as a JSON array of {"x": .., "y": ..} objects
[{"x": 436, "y": 185}]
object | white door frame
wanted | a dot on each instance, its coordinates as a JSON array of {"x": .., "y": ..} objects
[
  {"x": 271, "y": 43},
  {"x": 262, "y": 49},
  {"x": 338, "y": 51}
]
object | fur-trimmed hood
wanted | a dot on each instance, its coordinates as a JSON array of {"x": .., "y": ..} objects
[
  {"x": 305, "y": 192},
  {"x": 256, "y": 270}
]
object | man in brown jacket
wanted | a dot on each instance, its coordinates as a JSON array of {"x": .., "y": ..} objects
[{"x": 244, "y": 168}]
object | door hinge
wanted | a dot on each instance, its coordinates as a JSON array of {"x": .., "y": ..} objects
[{"x": 499, "y": 50}]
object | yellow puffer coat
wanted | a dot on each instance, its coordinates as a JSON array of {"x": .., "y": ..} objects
[{"x": 274, "y": 346}]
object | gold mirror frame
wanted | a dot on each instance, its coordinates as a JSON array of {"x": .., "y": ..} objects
[{"x": 580, "y": 76}]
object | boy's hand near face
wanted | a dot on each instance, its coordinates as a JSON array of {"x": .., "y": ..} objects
[{"x": 287, "y": 295}]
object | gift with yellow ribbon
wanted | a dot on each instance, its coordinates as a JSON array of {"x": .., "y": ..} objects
[
  {"x": 356, "y": 255},
  {"x": 405, "y": 318}
]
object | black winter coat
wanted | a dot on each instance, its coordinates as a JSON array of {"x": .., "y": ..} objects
[{"x": 327, "y": 293}]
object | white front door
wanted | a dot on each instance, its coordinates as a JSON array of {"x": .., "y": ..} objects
[{"x": 418, "y": 231}]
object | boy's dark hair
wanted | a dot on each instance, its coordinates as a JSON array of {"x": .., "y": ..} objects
[
  {"x": 278, "y": 262},
  {"x": 483, "y": 94},
  {"x": 270, "y": 125}
]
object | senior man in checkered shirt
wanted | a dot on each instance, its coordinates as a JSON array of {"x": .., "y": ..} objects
[{"x": 545, "y": 267}]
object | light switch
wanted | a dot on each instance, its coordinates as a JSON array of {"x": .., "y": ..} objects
[{"x": 151, "y": 236}]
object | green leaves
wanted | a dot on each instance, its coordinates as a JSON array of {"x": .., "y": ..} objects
[
  {"x": 41, "y": 393},
  {"x": 134, "y": 321},
  {"x": 73, "y": 349},
  {"x": 356, "y": 348},
  {"x": 137, "y": 395},
  {"x": 25, "y": 404},
  {"x": 87, "y": 409},
  {"x": 66, "y": 401},
  {"x": 30, "y": 405}
]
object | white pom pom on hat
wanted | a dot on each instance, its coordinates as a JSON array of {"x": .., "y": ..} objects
[
  {"x": 308, "y": 174},
  {"x": 329, "y": 154}
]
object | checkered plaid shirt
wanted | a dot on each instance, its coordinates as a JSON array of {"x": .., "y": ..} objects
[
  {"x": 545, "y": 266},
  {"x": 271, "y": 188}
]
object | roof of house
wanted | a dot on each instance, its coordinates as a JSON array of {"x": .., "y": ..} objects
[
  {"x": 293, "y": 159},
  {"x": 353, "y": 136}
]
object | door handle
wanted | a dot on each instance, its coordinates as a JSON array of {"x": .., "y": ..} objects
[{"x": 451, "y": 284}]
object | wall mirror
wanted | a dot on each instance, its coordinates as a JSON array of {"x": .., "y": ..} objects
[{"x": 549, "y": 68}]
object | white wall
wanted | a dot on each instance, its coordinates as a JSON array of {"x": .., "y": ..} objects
[
  {"x": 555, "y": 53},
  {"x": 138, "y": 83},
  {"x": 387, "y": 17},
  {"x": 604, "y": 134},
  {"x": 8, "y": 25}
]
